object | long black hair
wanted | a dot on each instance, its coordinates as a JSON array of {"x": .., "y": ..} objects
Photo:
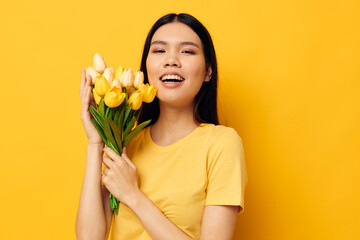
[{"x": 205, "y": 108}]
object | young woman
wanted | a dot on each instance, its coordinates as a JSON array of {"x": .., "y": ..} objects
[{"x": 184, "y": 176}]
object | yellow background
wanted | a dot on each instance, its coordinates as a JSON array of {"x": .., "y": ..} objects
[{"x": 290, "y": 85}]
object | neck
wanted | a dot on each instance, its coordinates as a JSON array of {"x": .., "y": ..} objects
[{"x": 173, "y": 123}]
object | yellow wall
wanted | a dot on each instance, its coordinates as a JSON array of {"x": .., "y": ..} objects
[{"x": 290, "y": 86}]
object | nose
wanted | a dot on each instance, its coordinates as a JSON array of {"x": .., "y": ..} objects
[{"x": 172, "y": 60}]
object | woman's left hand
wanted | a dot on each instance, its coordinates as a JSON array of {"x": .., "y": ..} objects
[{"x": 121, "y": 178}]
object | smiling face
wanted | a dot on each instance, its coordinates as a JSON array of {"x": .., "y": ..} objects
[{"x": 176, "y": 64}]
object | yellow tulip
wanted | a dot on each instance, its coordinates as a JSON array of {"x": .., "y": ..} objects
[
  {"x": 136, "y": 100},
  {"x": 119, "y": 71},
  {"x": 116, "y": 83},
  {"x": 91, "y": 71},
  {"x": 99, "y": 63},
  {"x": 148, "y": 92},
  {"x": 96, "y": 97},
  {"x": 114, "y": 97},
  {"x": 127, "y": 78},
  {"x": 101, "y": 85},
  {"x": 139, "y": 79},
  {"x": 109, "y": 74}
]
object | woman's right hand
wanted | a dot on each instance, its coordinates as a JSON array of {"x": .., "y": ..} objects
[{"x": 86, "y": 99}]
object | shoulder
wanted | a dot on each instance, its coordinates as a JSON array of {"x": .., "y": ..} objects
[
  {"x": 224, "y": 145},
  {"x": 222, "y": 135}
]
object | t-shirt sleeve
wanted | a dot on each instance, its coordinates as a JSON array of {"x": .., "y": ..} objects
[{"x": 226, "y": 170}]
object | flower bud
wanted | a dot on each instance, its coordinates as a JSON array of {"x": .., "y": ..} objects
[
  {"x": 139, "y": 79},
  {"x": 97, "y": 98},
  {"x": 114, "y": 97},
  {"x": 109, "y": 74},
  {"x": 91, "y": 71},
  {"x": 116, "y": 83},
  {"x": 119, "y": 71},
  {"x": 99, "y": 63},
  {"x": 127, "y": 79},
  {"x": 136, "y": 100},
  {"x": 148, "y": 92},
  {"x": 101, "y": 85},
  {"x": 131, "y": 90}
]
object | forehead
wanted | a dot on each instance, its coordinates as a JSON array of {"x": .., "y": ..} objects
[{"x": 175, "y": 33}]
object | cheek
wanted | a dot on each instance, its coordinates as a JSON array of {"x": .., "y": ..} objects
[
  {"x": 197, "y": 71},
  {"x": 150, "y": 69}
]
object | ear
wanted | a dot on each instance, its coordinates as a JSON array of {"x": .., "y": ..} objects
[{"x": 208, "y": 73}]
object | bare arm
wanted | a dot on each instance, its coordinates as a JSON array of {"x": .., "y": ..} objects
[
  {"x": 94, "y": 215},
  {"x": 154, "y": 221},
  {"x": 218, "y": 222},
  {"x": 107, "y": 210}
]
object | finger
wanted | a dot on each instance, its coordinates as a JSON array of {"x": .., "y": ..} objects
[
  {"x": 108, "y": 162},
  {"x": 86, "y": 99},
  {"x": 104, "y": 179},
  {"x": 111, "y": 153},
  {"x": 127, "y": 159},
  {"x": 82, "y": 82},
  {"x": 106, "y": 171},
  {"x": 92, "y": 100},
  {"x": 89, "y": 80},
  {"x": 86, "y": 85}
]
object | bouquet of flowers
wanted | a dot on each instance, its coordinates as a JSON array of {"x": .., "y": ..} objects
[{"x": 119, "y": 97}]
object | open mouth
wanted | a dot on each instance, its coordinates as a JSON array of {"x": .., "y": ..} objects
[{"x": 172, "y": 78}]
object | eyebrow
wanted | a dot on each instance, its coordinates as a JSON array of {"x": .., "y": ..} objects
[{"x": 181, "y": 43}]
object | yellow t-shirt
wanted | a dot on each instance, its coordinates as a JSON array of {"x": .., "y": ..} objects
[{"x": 207, "y": 167}]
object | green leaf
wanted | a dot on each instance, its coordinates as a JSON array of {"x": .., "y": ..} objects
[
  {"x": 96, "y": 115},
  {"x": 132, "y": 134},
  {"x": 101, "y": 107},
  {"x": 119, "y": 119},
  {"x": 113, "y": 147},
  {"x": 137, "y": 113},
  {"x": 107, "y": 111},
  {"x": 100, "y": 130},
  {"x": 112, "y": 113},
  {"x": 126, "y": 114},
  {"x": 130, "y": 125},
  {"x": 118, "y": 112},
  {"x": 126, "y": 96},
  {"x": 109, "y": 135},
  {"x": 114, "y": 203},
  {"x": 117, "y": 134}
]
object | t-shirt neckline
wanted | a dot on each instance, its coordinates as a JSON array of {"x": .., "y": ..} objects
[{"x": 174, "y": 145}]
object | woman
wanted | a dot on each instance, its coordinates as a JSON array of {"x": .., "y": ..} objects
[{"x": 184, "y": 176}]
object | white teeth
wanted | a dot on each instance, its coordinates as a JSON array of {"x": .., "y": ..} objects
[{"x": 177, "y": 77}]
